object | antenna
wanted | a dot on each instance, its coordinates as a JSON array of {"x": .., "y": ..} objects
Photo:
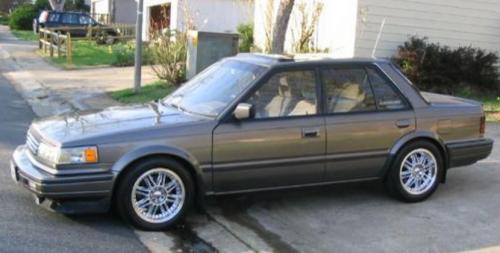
[{"x": 378, "y": 38}]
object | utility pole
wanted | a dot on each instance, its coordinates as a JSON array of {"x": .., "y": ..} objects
[{"x": 138, "y": 47}]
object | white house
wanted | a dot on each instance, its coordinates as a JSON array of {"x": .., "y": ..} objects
[
  {"x": 206, "y": 15},
  {"x": 114, "y": 11},
  {"x": 349, "y": 28}
]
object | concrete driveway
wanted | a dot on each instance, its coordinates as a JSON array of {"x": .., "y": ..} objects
[{"x": 464, "y": 214}]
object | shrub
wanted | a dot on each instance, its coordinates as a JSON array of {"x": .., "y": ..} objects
[
  {"x": 124, "y": 55},
  {"x": 42, "y": 5},
  {"x": 169, "y": 53},
  {"x": 4, "y": 20},
  {"x": 22, "y": 17},
  {"x": 246, "y": 37},
  {"x": 77, "y": 5},
  {"x": 439, "y": 68}
]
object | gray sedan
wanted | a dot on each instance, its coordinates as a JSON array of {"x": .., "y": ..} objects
[{"x": 252, "y": 123}]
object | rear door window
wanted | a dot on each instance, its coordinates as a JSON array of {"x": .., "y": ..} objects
[
  {"x": 348, "y": 90},
  {"x": 70, "y": 19}
]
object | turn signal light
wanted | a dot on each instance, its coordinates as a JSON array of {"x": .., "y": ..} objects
[{"x": 90, "y": 155}]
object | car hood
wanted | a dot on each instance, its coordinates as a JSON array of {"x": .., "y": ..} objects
[{"x": 72, "y": 127}]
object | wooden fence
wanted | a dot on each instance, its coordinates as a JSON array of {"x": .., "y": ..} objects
[{"x": 56, "y": 43}]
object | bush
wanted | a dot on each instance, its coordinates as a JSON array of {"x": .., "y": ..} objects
[
  {"x": 78, "y": 5},
  {"x": 4, "y": 20},
  {"x": 22, "y": 17},
  {"x": 169, "y": 53},
  {"x": 42, "y": 5},
  {"x": 246, "y": 37},
  {"x": 438, "y": 68},
  {"x": 124, "y": 55}
]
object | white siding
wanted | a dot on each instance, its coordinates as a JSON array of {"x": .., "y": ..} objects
[
  {"x": 100, "y": 6},
  {"x": 335, "y": 31},
  {"x": 449, "y": 22},
  {"x": 208, "y": 15}
]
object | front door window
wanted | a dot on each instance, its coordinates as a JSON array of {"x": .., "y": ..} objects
[{"x": 286, "y": 94}]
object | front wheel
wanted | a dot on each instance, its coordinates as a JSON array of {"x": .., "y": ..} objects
[
  {"x": 416, "y": 172},
  {"x": 155, "y": 194}
]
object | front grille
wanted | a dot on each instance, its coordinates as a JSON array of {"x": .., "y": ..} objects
[{"x": 32, "y": 143}]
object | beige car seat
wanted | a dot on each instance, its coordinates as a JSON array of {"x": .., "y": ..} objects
[
  {"x": 348, "y": 98},
  {"x": 281, "y": 102}
]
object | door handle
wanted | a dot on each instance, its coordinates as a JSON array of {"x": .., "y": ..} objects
[
  {"x": 312, "y": 132},
  {"x": 403, "y": 123}
]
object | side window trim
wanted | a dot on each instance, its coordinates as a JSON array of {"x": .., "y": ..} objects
[
  {"x": 324, "y": 98},
  {"x": 275, "y": 71},
  {"x": 392, "y": 85}
]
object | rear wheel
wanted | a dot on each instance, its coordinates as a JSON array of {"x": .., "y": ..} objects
[
  {"x": 155, "y": 194},
  {"x": 416, "y": 172}
]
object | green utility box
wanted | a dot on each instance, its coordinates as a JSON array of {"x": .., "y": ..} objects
[{"x": 205, "y": 48}]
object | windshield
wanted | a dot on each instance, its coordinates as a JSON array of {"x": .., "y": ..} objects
[{"x": 210, "y": 92}]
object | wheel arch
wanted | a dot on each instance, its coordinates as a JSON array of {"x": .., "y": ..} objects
[
  {"x": 418, "y": 136},
  {"x": 125, "y": 164}
]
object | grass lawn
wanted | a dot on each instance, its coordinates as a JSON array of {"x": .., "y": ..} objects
[
  {"x": 87, "y": 53},
  {"x": 25, "y": 35},
  {"x": 492, "y": 108},
  {"x": 149, "y": 92}
]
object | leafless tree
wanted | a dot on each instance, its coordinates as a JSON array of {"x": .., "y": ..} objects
[
  {"x": 57, "y": 5},
  {"x": 281, "y": 25},
  {"x": 308, "y": 23}
]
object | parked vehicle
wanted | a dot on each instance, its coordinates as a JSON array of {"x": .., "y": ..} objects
[
  {"x": 77, "y": 23},
  {"x": 252, "y": 123}
]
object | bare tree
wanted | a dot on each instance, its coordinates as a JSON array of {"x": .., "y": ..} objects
[
  {"x": 281, "y": 25},
  {"x": 308, "y": 23},
  {"x": 57, "y": 5}
]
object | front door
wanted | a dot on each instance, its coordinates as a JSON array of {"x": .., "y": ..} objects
[
  {"x": 282, "y": 145},
  {"x": 365, "y": 116}
]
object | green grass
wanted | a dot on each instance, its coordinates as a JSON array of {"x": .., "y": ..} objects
[
  {"x": 25, "y": 35},
  {"x": 149, "y": 92},
  {"x": 87, "y": 53},
  {"x": 491, "y": 106}
]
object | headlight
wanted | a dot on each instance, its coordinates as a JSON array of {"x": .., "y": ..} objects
[{"x": 78, "y": 155}]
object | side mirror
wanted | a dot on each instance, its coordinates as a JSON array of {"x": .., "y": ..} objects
[{"x": 243, "y": 111}]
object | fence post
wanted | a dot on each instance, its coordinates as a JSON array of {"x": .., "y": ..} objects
[
  {"x": 89, "y": 32},
  {"x": 40, "y": 38},
  {"x": 45, "y": 41},
  {"x": 69, "y": 49},
  {"x": 51, "y": 49}
]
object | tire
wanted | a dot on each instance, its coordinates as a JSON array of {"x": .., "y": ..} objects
[
  {"x": 412, "y": 177},
  {"x": 137, "y": 197}
]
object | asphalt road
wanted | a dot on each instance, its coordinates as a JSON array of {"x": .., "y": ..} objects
[{"x": 25, "y": 227}]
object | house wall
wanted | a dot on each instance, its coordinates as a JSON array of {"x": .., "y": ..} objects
[
  {"x": 125, "y": 11},
  {"x": 100, "y": 6},
  {"x": 335, "y": 31},
  {"x": 449, "y": 22},
  {"x": 208, "y": 15}
]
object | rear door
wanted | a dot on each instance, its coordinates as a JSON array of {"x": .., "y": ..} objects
[
  {"x": 283, "y": 145},
  {"x": 72, "y": 20},
  {"x": 365, "y": 115}
]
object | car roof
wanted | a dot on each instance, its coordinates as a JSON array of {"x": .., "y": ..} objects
[
  {"x": 306, "y": 59},
  {"x": 70, "y": 12}
]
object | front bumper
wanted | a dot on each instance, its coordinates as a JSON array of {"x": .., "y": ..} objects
[
  {"x": 67, "y": 194},
  {"x": 468, "y": 152}
]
